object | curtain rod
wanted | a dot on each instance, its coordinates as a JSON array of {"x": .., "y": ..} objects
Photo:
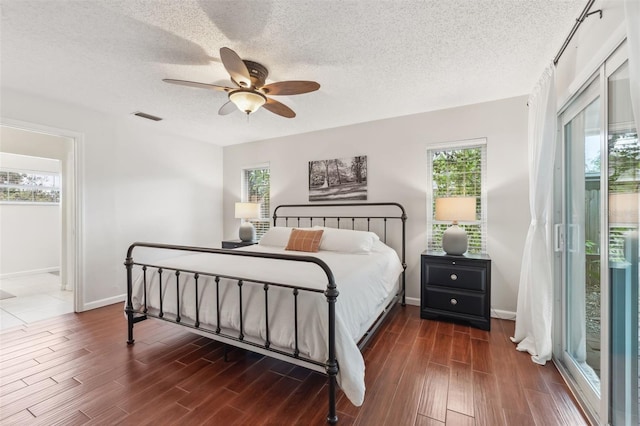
[{"x": 585, "y": 14}]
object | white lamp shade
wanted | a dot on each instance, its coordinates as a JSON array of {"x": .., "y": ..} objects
[
  {"x": 456, "y": 209},
  {"x": 247, "y": 211},
  {"x": 247, "y": 101}
]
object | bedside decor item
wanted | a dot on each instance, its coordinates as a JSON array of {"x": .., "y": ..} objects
[
  {"x": 247, "y": 211},
  {"x": 455, "y": 239},
  {"x": 338, "y": 179}
]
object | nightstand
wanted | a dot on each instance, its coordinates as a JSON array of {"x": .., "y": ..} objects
[
  {"x": 231, "y": 244},
  {"x": 456, "y": 287}
]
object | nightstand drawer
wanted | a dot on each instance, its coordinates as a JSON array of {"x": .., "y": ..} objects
[
  {"x": 465, "y": 277},
  {"x": 456, "y": 302}
]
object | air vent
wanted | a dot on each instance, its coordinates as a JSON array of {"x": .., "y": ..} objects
[{"x": 147, "y": 116}]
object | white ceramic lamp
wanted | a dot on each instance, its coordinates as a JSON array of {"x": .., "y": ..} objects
[
  {"x": 455, "y": 240},
  {"x": 247, "y": 211}
]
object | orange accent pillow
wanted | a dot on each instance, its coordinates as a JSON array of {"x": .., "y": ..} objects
[{"x": 304, "y": 240}]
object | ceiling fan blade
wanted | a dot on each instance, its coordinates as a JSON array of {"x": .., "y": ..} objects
[
  {"x": 290, "y": 87},
  {"x": 235, "y": 67},
  {"x": 278, "y": 108},
  {"x": 227, "y": 108},
  {"x": 198, "y": 85}
]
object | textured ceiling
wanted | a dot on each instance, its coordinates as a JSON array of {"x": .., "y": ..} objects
[{"x": 373, "y": 59}]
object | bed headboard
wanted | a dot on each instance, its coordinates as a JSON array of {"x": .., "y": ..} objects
[{"x": 388, "y": 220}]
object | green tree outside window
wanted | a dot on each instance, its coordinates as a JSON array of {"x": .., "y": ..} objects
[{"x": 458, "y": 172}]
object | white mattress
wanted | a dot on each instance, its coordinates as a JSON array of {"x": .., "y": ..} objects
[{"x": 366, "y": 282}]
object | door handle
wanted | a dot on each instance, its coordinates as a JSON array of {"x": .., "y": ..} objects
[{"x": 558, "y": 237}]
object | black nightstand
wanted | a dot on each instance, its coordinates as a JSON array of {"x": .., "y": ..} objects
[
  {"x": 237, "y": 243},
  {"x": 456, "y": 287}
]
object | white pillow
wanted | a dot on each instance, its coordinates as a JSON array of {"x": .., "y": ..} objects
[
  {"x": 276, "y": 237},
  {"x": 347, "y": 241}
]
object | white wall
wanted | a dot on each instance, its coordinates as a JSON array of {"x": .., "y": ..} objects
[
  {"x": 137, "y": 183},
  {"x": 29, "y": 232},
  {"x": 30, "y": 239},
  {"x": 396, "y": 163}
]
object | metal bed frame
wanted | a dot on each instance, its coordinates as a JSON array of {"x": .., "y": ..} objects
[{"x": 330, "y": 367}]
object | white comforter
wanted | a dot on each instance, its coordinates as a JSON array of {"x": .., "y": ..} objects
[{"x": 364, "y": 281}]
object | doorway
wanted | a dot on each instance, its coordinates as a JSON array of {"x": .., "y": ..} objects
[{"x": 29, "y": 141}]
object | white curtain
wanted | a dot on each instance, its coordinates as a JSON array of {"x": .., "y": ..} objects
[
  {"x": 632, "y": 18},
  {"x": 535, "y": 295}
]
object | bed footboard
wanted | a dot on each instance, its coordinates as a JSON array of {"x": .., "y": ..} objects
[{"x": 330, "y": 367}]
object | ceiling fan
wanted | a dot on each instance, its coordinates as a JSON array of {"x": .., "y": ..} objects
[{"x": 251, "y": 91}]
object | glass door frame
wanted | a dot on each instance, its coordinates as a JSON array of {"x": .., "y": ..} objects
[
  {"x": 593, "y": 399},
  {"x": 598, "y": 410}
]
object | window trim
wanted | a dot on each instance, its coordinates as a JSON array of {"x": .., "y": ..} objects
[
  {"x": 450, "y": 146},
  {"x": 264, "y": 221}
]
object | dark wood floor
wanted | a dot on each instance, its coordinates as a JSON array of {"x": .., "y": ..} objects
[{"x": 77, "y": 369}]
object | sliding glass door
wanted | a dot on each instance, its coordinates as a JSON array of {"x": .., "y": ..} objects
[
  {"x": 624, "y": 206},
  {"x": 583, "y": 222},
  {"x": 600, "y": 219}
]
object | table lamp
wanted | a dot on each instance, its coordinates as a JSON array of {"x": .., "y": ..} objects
[
  {"x": 454, "y": 239},
  {"x": 247, "y": 211}
]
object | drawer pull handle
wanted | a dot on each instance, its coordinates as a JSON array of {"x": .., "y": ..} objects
[
  {"x": 454, "y": 277},
  {"x": 453, "y": 301}
]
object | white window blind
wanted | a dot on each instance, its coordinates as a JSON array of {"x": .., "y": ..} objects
[
  {"x": 256, "y": 189},
  {"x": 23, "y": 186},
  {"x": 458, "y": 169}
]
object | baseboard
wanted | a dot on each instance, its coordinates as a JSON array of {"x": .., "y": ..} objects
[
  {"x": 104, "y": 302},
  {"x": 412, "y": 301},
  {"x": 31, "y": 272},
  {"x": 505, "y": 315},
  {"x": 495, "y": 313}
]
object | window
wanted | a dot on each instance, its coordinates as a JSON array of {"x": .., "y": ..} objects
[
  {"x": 18, "y": 186},
  {"x": 458, "y": 169},
  {"x": 256, "y": 184}
]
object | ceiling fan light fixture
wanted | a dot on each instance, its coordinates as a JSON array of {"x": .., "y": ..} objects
[
  {"x": 251, "y": 92},
  {"x": 247, "y": 101}
]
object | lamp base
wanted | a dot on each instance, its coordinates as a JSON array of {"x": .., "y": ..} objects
[
  {"x": 247, "y": 232},
  {"x": 455, "y": 240}
]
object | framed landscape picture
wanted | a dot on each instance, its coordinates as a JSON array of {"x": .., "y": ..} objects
[{"x": 338, "y": 179}]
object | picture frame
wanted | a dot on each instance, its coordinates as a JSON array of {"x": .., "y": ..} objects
[{"x": 338, "y": 179}]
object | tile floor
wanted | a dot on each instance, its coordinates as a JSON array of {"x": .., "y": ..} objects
[{"x": 37, "y": 297}]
